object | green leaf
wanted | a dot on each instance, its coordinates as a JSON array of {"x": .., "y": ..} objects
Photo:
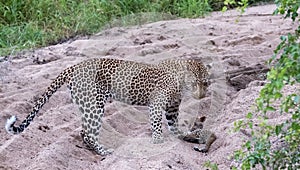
[
  {"x": 296, "y": 116},
  {"x": 277, "y": 95},
  {"x": 224, "y": 9},
  {"x": 278, "y": 129},
  {"x": 295, "y": 126},
  {"x": 212, "y": 166},
  {"x": 248, "y": 145},
  {"x": 250, "y": 124},
  {"x": 270, "y": 108},
  {"x": 234, "y": 168},
  {"x": 283, "y": 38},
  {"x": 249, "y": 115},
  {"x": 296, "y": 99}
]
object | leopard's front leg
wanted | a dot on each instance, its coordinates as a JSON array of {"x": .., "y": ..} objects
[
  {"x": 172, "y": 113},
  {"x": 156, "y": 124}
]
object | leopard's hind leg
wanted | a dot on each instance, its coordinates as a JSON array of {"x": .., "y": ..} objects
[{"x": 91, "y": 103}]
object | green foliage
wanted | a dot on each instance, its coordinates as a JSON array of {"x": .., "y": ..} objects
[
  {"x": 192, "y": 8},
  {"x": 210, "y": 165},
  {"x": 35, "y": 23},
  {"x": 241, "y": 5},
  {"x": 288, "y": 8},
  {"x": 285, "y": 71}
]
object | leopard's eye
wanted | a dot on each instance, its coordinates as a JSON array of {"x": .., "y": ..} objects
[{"x": 205, "y": 83}]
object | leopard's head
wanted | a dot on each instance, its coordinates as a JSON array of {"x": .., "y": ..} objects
[
  {"x": 198, "y": 78},
  {"x": 197, "y": 123}
]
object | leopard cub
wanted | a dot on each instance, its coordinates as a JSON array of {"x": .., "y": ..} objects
[{"x": 196, "y": 134}]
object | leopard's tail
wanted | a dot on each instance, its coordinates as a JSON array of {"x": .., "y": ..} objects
[{"x": 61, "y": 79}]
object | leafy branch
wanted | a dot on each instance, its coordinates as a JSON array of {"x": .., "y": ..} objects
[{"x": 285, "y": 71}]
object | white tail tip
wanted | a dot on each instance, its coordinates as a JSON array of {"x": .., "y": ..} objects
[{"x": 9, "y": 123}]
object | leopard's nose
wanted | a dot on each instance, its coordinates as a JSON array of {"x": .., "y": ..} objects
[{"x": 199, "y": 95}]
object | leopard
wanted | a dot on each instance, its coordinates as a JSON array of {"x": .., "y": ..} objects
[
  {"x": 198, "y": 134},
  {"x": 92, "y": 82}
]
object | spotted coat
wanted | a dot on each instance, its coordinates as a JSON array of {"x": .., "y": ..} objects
[{"x": 93, "y": 82}]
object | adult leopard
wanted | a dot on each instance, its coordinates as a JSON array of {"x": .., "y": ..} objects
[{"x": 92, "y": 82}]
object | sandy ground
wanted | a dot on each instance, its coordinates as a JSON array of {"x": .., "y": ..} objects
[{"x": 227, "y": 40}]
